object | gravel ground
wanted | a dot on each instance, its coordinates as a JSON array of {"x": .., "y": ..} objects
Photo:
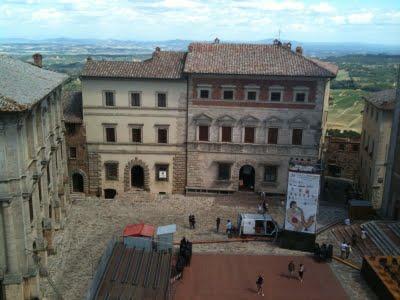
[{"x": 91, "y": 223}]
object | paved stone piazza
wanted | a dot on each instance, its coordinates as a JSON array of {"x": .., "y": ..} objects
[{"x": 91, "y": 223}]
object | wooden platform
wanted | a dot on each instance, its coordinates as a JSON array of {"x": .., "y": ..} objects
[{"x": 215, "y": 276}]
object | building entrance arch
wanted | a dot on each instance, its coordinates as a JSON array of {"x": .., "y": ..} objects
[{"x": 247, "y": 178}]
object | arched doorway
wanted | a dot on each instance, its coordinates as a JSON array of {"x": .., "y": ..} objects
[
  {"x": 77, "y": 183},
  {"x": 246, "y": 178},
  {"x": 137, "y": 177}
]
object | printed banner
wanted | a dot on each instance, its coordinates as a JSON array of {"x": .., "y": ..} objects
[{"x": 302, "y": 202}]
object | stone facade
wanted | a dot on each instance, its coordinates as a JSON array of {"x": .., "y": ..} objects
[
  {"x": 376, "y": 128},
  {"x": 34, "y": 193},
  {"x": 342, "y": 157},
  {"x": 204, "y": 157}
]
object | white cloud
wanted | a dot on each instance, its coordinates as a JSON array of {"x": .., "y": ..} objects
[
  {"x": 323, "y": 7},
  {"x": 46, "y": 14},
  {"x": 339, "y": 20},
  {"x": 360, "y": 18}
]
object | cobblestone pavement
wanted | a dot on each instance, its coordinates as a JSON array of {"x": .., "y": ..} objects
[{"x": 91, "y": 222}]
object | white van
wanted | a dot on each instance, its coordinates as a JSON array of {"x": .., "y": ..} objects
[{"x": 257, "y": 224}]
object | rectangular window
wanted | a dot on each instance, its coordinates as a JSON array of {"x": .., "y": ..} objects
[
  {"x": 342, "y": 147},
  {"x": 161, "y": 99},
  {"x": 355, "y": 147},
  {"x": 204, "y": 93},
  {"x": 110, "y": 134},
  {"x": 227, "y": 94},
  {"x": 272, "y": 135},
  {"x": 249, "y": 134},
  {"x": 203, "y": 133},
  {"x": 224, "y": 171},
  {"x": 251, "y": 95},
  {"x": 135, "y": 99},
  {"x": 162, "y": 172},
  {"x": 270, "y": 173},
  {"x": 48, "y": 173},
  {"x": 226, "y": 134},
  {"x": 30, "y": 209},
  {"x": 40, "y": 189},
  {"x": 275, "y": 96},
  {"x": 70, "y": 128},
  {"x": 109, "y": 98},
  {"x": 137, "y": 135},
  {"x": 297, "y": 136},
  {"x": 111, "y": 171},
  {"x": 162, "y": 135},
  {"x": 72, "y": 152},
  {"x": 300, "y": 97}
]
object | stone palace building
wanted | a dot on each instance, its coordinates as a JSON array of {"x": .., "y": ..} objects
[
  {"x": 216, "y": 119},
  {"x": 33, "y": 173}
]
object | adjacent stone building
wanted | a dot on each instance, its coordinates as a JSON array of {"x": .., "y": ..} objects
[
  {"x": 33, "y": 173},
  {"x": 75, "y": 138},
  {"x": 375, "y": 137},
  {"x": 342, "y": 157},
  {"x": 252, "y": 108},
  {"x": 135, "y": 118}
]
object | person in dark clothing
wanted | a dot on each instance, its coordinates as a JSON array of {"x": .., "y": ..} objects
[
  {"x": 291, "y": 268},
  {"x": 264, "y": 206},
  {"x": 190, "y": 221},
  {"x": 218, "y": 221},
  {"x": 259, "y": 283},
  {"x": 301, "y": 272},
  {"x": 193, "y": 222}
]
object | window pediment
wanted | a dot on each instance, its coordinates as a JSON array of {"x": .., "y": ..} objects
[
  {"x": 202, "y": 119},
  {"x": 273, "y": 122},
  {"x": 249, "y": 121},
  {"x": 226, "y": 120},
  {"x": 298, "y": 122}
]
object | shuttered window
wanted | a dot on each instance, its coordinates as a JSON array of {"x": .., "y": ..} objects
[
  {"x": 203, "y": 133},
  {"x": 137, "y": 135},
  {"x": 135, "y": 99},
  {"x": 272, "y": 135},
  {"x": 249, "y": 134},
  {"x": 226, "y": 134},
  {"x": 109, "y": 98},
  {"x": 110, "y": 134},
  {"x": 297, "y": 136}
]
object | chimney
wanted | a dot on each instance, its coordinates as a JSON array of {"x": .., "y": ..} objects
[
  {"x": 216, "y": 41},
  {"x": 299, "y": 50},
  {"x": 89, "y": 58},
  {"x": 158, "y": 49},
  {"x": 37, "y": 59},
  {"x": 288, "y": 45}
]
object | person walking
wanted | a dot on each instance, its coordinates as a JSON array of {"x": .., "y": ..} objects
[
  {"x": 301, "y": 272},
  {"x": 348, "y": 251},
  {"x": 193, "y": 222},
  {"x": 218, "y": 222},
  {"x": 229, "y": 228},
  {"x": 190, "y": 221},
  {"x": 291, "y": 269},
  {"x": 343, "y": 248},
  {"x": 259, "y": 283}
]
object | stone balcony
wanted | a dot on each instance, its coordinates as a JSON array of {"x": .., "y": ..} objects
[{"x": 287, "y": 150}]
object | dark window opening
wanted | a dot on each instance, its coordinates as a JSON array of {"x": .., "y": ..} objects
[
  {"x": 111, "y": 171},
  {"x": 50, "y": 211},
  {"x": 30, "y": 209},
  {"x": 70, "y": 128},
  {"x": 161, "y": 99},
  {"x": 249, "y": 134},
  {"x": 110, "y": 193},
  {"x": 162, "y": 172},
  {"x": 228, "y": 95},
  {"x": 48, "y": 173},
  {"x": 109, "y": 98},
  {"x": 276, "y": 96},
  {"x": 270, "y": 173},
  {"x": 246, "y": 178},
  {"x": 203, "y": 133},
  {"x": 77, "y": 183},
  {"x": 72, "y": 152},
  {"x": 251, "y": 95},
  {"x": 297, "y": 136},
  {"x": 162, "y": 135},
  {"x": 40, "y": 189},
  {"x": 204, "y": 94},
  {"x": 342, "y": 147},
  {"x": 137, "y": 135},
  {"x": 355, "y": 147},
  {"x": 110, "y": 134},
  {"x": 272, "y": 135},
  {"x": 137, "y": 177},
  {"x": 135, "y": 99},
  {"x": 224, "y": 171},
  {"x": 226, "y": 134},
  {"x": 300, "y": 97}
]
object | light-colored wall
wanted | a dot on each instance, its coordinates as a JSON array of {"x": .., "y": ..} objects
[
  {"x": 372, "y": 169},
  {"x": 149, "y": 116}
]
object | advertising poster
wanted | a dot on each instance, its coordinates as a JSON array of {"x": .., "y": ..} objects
[{"x": 302, "y": 202}]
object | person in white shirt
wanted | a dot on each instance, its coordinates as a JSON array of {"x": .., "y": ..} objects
[{"x": 343, "y": 248}]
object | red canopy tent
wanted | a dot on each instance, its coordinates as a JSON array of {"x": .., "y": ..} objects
[{"x": 137, "y": 230}]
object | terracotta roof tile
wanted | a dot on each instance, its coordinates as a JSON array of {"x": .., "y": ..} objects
[
  {"x": 383, "y": 99},
  {"x": 162, "y": 65},
  {"x": 253, "y": 59},
  {"x": 7, "y": 104}
]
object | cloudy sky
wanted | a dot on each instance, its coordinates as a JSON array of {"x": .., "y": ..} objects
[{"x": 372, "y": 21}]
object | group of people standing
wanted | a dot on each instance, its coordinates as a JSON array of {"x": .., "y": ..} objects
[
  {"x": 345, "y": 250},
  {"x": 192, "y": 221}
]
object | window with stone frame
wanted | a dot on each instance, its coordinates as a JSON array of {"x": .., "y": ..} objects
[
  {"x": 161, "y": 99},
  {"x": 110, "y": 134},
  {"x": 111, "y": 170},
  {"x": 109, "y": 98},
  {"x": 162, "y": 135},
  {"x": 227, "y": 94},
  {"x": 204, "y": 93},
  {"x": 249, "y": 135},
  {"x": 224, "y": 171},
  {"x": 203, "y": 133},
  {"x": 275, "y": 95},
  {"x": 162, "y": 172},
  {"x": 270, "y": 173},
  {"x": 136, "y": 134},
  {"x": 273, "y": 135},
  {"x": 300, "y": 96},
  {"x": 72, "y": 152},
  {"x": 135, "y": 99},
  {"x": 252, "y": 95},
  {"x": 297, "y": 136},
  {"x": 226, "y": 134}
]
